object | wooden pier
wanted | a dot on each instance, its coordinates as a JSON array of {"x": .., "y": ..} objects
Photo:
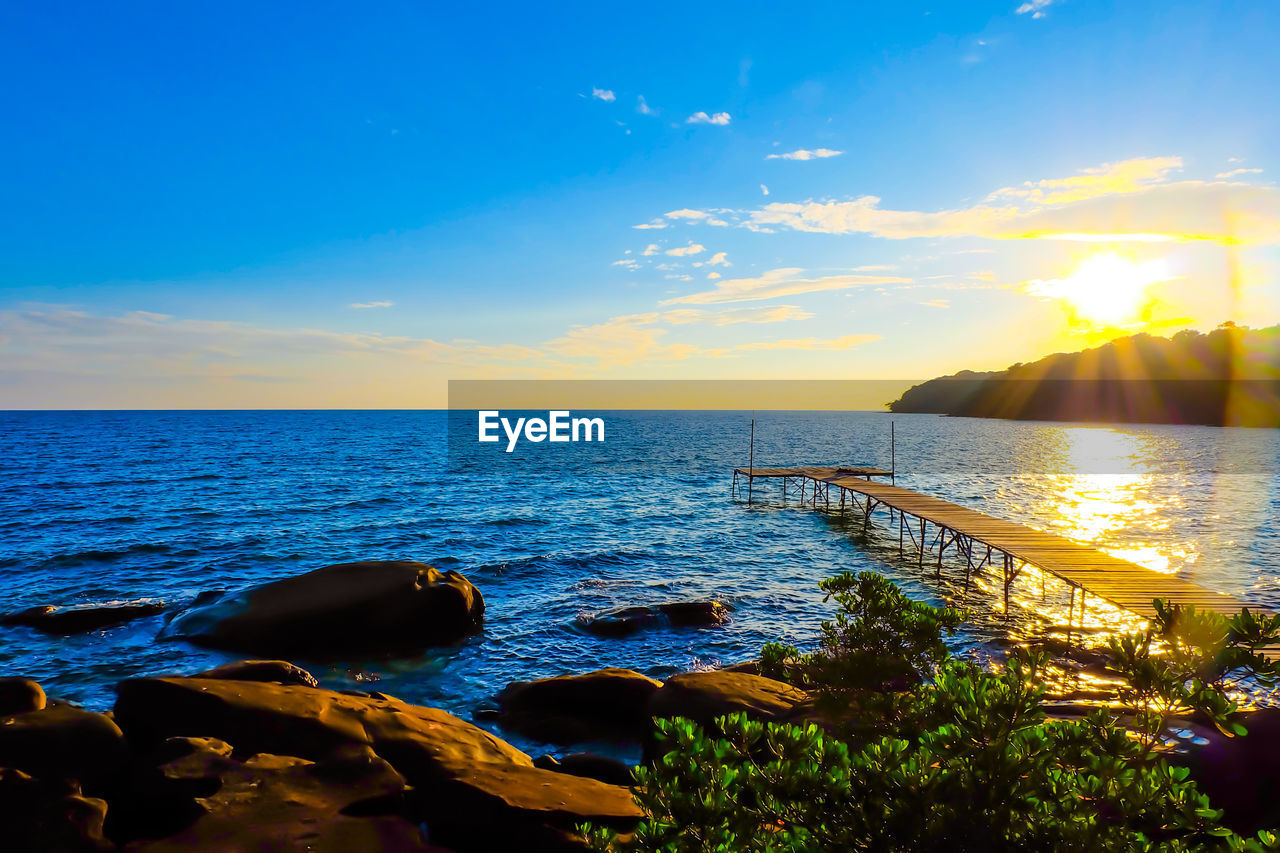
[{"x": 980, "y": 539}]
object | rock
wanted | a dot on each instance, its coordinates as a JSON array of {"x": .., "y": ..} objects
[
  {"x": 63, "y": 742},
  {"x": 351, "y": 801},
  {"x": 77, "y": 620},
  {"x": 605, "y": 705},
  {"x": 695, "y": 613},
  {"x": 750, "y": 667},
  {"x": 703, "y": 696},
  {"x": 475, "y": 791},
  {"x": 350, "y": 608},
  {"x": 1241, "y": 775},
  {"x": 586, "y": 764},
  {"x": 19, "y": 695},
  {"x": 49, "y": 815},
  {"x": 277, "y": 671},
  {"x": 622, "y": 622}
]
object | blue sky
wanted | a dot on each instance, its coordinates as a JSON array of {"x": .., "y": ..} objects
[{"x": 195, "y": 197}]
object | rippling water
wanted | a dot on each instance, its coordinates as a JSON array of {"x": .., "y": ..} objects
[{"x": 119, "y": 506}]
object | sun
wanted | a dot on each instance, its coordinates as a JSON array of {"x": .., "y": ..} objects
[{"x": 1106, "y": 289}]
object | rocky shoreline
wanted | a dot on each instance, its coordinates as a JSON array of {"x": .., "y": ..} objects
[{"x": 256, "y": 755}]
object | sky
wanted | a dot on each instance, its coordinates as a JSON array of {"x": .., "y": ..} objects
[{"x": 324, "y": 205}]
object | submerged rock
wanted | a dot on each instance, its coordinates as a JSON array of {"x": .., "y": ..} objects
[
  {"x": 277, "y": 671},
  {"x": 351, "y": 801},
  {"x": 605, "y": 705},
  {"x": 473, "y": 790},
  {"x": 77, "y": 620},
  {"x": 349, "y": 608},
  {"x": 624, "y": 621}
]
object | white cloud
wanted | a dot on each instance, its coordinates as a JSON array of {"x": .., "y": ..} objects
[
  {"x": 702, "y": 118},
  {"x": 650, "y": 250},
  {"x": 719, "y": 259},
  {"x": 602, "y": 94},
  {"x": 937, "y": 303},
  {"x": 764, "y": 190},
  {"x": 651, "y": 225},
  {"x": 713, "y": 275},
  {"x": 1035, "y": 7},
  {"x": 382, "y": 304},
  {"x": 643, "y": 107},
  {"x": 685, "y": 251},
  {"x": 629, "y": 263},
  {"x": 786, "y": 281},
  {"x": 804, "y": 154}
]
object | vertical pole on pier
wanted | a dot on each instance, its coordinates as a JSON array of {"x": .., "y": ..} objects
[
  {"x": 751, "y": 461},
  {"x": 893, "y": 457}
]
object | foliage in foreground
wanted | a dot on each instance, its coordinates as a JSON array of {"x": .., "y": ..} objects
[{"x": 965, "y": 760}]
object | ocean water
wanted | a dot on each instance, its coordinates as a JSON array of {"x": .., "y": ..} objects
[{"x": 100, "y": 507}]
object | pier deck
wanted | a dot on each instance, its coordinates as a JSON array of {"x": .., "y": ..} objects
[{"x": 977, "y": 537}]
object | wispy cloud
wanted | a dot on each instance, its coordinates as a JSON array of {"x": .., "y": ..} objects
[
  {"x": 764, "y": 190},
  {"x": 1034, "y": 7},
  {"x": 1235, "y": 173},
  {"x": 841, "y": 343},
  {"x": 621, "y": 341},
  {"x": 770, "y": 314},
  {"x": 685, "y": 251},
  {"x": 603, "y": 94},
  {"x": 1129, "y": 200},
  {"x": 786, "y": 281},
  {"x": 651, "y": 225},
  {"x": 696, "y": 216},
  {"x": 642, "y": 107},
  {"x": 650, "y": 250},
  {"x": 715, "y": 118},
  {"x": 1120, "y": 177},
  {"x": 371, "y": 304},
  {"x": 804, "y": 154}
]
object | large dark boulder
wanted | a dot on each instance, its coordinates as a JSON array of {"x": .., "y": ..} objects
[
  {"x": 49, "y": 816},
  {"x": 63, "y": 742},
  {"x": 474, "y": 791},
  {"x": 605, "y": 705},
  {"x": 351, "y": 801},
  {"x": 77, "y": 620},
  {"x": 19, "y": 695},
  {"x": 625, "y": 621},
  {"x": 346, "y": 609},
  {"x": 703, "y": 696},
  {"x": 1241, "y": 775}
]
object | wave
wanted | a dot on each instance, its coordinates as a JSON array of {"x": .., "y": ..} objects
[{"x": 97, "y": 555}]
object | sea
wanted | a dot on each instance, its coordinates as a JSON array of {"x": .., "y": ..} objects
[{"x": 111, "y": 507}]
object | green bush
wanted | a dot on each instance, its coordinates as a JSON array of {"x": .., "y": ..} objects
[{"x": 964, "y": 760}]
